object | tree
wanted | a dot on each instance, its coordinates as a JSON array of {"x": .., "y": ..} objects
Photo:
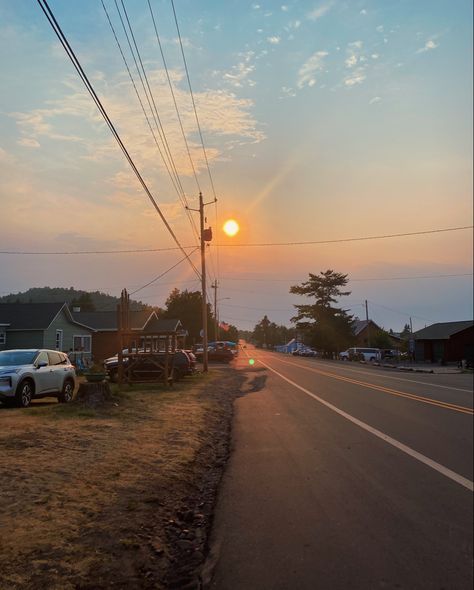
[
  {"x": 187, "y": 307},
  {"x": 267, "y": 333},
  {"x": 328, "y": 328}
]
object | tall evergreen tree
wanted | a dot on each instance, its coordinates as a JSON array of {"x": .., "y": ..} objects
[{"x": 328, "y": 327}]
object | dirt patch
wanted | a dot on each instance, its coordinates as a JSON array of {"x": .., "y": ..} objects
[{"x": 118, "y": 496}]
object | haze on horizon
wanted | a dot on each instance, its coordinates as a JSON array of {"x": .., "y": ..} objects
[{"x": 321, "y": 121}]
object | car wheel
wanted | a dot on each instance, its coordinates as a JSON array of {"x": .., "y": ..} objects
[
  {"x": 24, "y": 393},
  {"x": 66, "y": 394}
]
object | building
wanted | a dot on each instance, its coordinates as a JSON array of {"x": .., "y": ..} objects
[
  {"x": 366, "y": 333},
  {"x": 445, "y": 342},
  {"x": 105, "y": 334},
  {"x": 43, "y": 325}
]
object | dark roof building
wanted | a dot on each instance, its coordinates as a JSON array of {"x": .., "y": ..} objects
[
  {"x": 41, "y": 325},
  {"x": 445, "y": 342}
]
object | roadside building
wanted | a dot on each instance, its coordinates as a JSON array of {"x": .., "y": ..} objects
[
  {"x": 445, "y": 342},
  {"x": 367, "y": 332},
  {"x": 43, "y": 325},
  {"x": 106, "y": 339}
]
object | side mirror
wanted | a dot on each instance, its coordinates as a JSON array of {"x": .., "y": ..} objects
[{"x": 41, "y": 364}]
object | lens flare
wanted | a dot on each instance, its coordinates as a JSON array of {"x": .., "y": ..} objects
[
  {"x": 251, "y": 362},
  {"x": 231, "y": 227}
]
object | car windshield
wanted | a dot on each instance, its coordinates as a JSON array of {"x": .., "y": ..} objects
[{"x": 10, "y": 358}]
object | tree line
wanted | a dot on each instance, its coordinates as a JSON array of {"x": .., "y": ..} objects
[{"x": 321, "y": 322}]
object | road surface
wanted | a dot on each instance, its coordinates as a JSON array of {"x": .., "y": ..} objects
[{"x": 345, "y": 477}]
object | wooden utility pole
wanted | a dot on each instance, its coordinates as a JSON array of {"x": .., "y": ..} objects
[
  {"x": 216, "y": 319},
  {"x": 368, "y": 322},
  {"x": 205, "y": 236}
]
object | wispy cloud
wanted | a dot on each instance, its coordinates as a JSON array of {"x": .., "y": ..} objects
[
  {"x": 274, "y": 40},
  {"x": 356, "y": 77},
  {"x": 29, "y": 142},
  {"x": 375, "y": 100},
  {"x": 320, "y": 11},
  {"x": 307, "y": 72},
  {"x": 429, "y": 46}
]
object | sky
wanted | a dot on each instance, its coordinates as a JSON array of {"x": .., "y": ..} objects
[{"x": 320, "y": 121}]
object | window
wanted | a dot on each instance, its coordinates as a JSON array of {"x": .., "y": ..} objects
[
  {"x": 3, "y": 338},
  {"x": 81, "y": 343},
  {"x": 59, "y": 339},
  {"x": 42, "y": 358},
  {"x": 55, "y": 358}
]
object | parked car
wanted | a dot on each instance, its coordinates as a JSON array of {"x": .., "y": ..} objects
[
  {"x": 389, "y": 354},
  {"x": 360, "y": 354},
  {"x": 217, "y": 354},
  {"x": 26, "y": 374},
  {"x": 152, "y": 368}
]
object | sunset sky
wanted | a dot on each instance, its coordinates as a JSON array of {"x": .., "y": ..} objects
[{"x": 321, "y": 121}]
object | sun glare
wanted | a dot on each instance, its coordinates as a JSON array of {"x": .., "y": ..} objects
[{"x": 231, "y": 227}]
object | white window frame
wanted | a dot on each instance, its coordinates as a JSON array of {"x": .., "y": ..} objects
[
  {"x": 82, "y": 337},
  {"x": 59, "y": 339}
]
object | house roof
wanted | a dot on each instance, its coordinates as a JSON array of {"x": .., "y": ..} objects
[
  {"x": 359, "y": 325},
  {"x": 107, "y": 320},
  {"x": 30, "y": 316},
  {"x": 442, "y": 330}
]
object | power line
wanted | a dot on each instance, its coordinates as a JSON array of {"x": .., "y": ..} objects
[
  {"x": 359, "y": 239},
  {"x": 173, "y": 95},
  {"x": 192, "y": 99},
  {"x": 351, "y": 280},
  {"x": 124, "y": 59},
  {"x": 64, "y": 42},
  {"x": 162, "y": 274},
  {"x": 147, "y": 250}
]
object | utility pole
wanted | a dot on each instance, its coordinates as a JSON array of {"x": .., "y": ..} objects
[
  {"x": 216, "y": 326},
  {"x": 206, "y": 236},
  {"x": 368, "y": 322}
]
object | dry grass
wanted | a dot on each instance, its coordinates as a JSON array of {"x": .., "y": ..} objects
[{"x": 86, "y": 493}]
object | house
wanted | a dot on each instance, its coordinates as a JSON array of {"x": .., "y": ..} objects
[
  {"x": 43, "y": 325},
  {"x": 366, "y": 332},
  {"x": 445, "y": 342},
  {"x": 104, "y": 324}
]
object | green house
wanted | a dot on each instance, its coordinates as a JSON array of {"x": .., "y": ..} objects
[{"x": 43, "y": 325}]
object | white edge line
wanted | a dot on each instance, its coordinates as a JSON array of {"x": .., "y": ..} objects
[{"x": 388, "y": 439}]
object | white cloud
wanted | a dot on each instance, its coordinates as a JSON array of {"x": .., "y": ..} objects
[
  {"x": 320, "y": 10},
  {"x": 285, "y": 8},
  {"x": 375, "y": 56},
  {"x": 363, "y": 12},
  {"x": 351, "y": 61},
  {"x": 256, "y": 6},
  {"x": 353, "y": 54},
  {"x": 306, "y": 74},
  {"x": 375, "y": 100},
  {"x": 29, "y": 142},
  {"x": 356, "y": 77},
  {"x": 429, "y": 46},
  {"x": 379, "y": 29},
  {"x": 274, "y": 40}
]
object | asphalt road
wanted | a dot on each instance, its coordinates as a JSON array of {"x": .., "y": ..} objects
[{"x": 345, "y": 477}]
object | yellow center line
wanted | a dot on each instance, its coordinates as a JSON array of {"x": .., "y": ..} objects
[{"x": 396, "y": 392}]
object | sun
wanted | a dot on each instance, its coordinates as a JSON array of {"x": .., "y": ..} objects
[{"x": 231, "y": 227}]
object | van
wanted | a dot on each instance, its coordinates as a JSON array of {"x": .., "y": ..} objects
[{"x": 360, "y": 354}]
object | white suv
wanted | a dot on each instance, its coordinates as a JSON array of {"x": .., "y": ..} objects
[
  {"x": 34, "y": 373},
  {"x": 365, "y": 354}
]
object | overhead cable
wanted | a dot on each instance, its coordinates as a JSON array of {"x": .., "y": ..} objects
[
  {"x": 336, "y": 241},
  {"x": 64, "y": 42},
  {"x": 162, "y": 274},
  {"x": 193, "y": 101}
]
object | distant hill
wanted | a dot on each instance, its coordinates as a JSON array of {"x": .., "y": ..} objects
[{"x": 101, "y": 301}]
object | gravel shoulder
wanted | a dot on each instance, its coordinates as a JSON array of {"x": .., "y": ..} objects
[{"x": 117, "y": 496}]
